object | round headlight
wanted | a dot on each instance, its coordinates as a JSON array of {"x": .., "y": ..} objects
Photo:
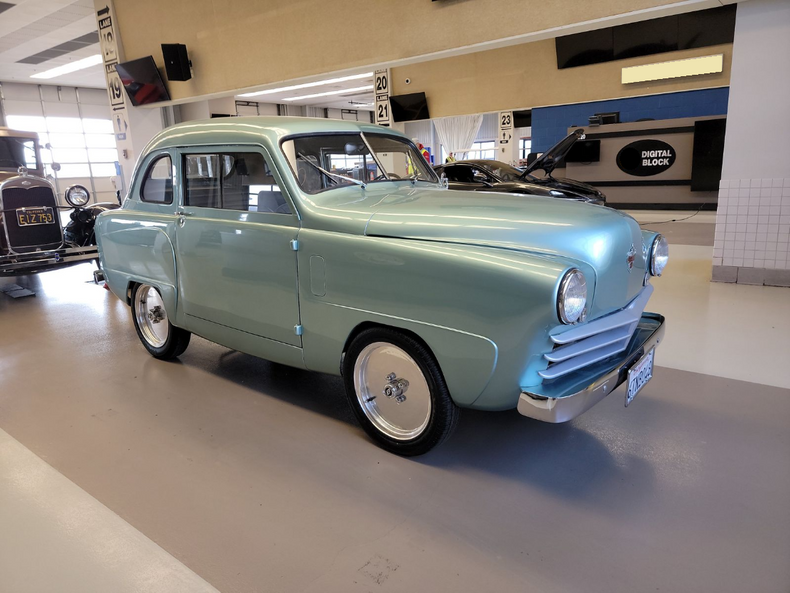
[
  {"x": 77, "y": 196},
  {"x": 659, "y": 255},
  {"x": 572, "y": 297}
]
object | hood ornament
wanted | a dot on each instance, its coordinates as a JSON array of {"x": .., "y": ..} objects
[{"x": 631, "y": 257}]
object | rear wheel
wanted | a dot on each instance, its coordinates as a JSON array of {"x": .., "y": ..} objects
[
  {"x": 160, "y": 337},
  {"x": 397, "y": 392}
]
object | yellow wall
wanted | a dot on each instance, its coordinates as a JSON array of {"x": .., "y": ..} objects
[
  {"x": 526, "y": 75},
  {"x": 243, "y": 43}
]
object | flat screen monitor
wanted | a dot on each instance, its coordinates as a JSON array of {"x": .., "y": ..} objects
[
  {"x": 409, "y": 107},
  {"x": 142, "y": 81},
  {"x": 707, "y": 154},
  {"x": 584, "y": 151}
]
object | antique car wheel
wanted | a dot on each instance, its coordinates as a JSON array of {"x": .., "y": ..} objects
[
  {"x": 397, "y": 392},
  {"x": 160, "y": 337}
]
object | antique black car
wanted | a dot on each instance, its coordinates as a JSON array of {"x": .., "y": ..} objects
[
  {"x": 490, "y": 175},
  {"x": 32, "y": 238}
]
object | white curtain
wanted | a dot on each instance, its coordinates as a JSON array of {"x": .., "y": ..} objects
[{"x": 457, "y": 134}]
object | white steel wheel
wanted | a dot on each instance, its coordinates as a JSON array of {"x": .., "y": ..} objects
[
  {"x": 151, "y": 316},
  {"x": 161, "y": 338},
  {"x": 397, "y": 391},
  {"x": 392, "y": 391}
]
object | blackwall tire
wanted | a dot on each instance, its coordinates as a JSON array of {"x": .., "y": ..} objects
[
  {"x": 161, "y": 338},
  {"x": 397, "y": 392}
]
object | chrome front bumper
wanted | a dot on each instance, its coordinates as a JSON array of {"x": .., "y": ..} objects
[
  {"x": 562, "y": 400},
  {"x": 38, "y": 261}
]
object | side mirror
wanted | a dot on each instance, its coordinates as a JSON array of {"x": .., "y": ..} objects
[{"x": 55, "y": 166}]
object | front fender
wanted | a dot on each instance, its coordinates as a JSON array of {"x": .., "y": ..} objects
[{"x": 475, "y": 307}]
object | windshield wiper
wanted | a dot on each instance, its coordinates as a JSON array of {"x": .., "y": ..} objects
[{"x": 332, "y": 176}]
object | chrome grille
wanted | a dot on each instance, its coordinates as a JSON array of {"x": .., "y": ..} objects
[{"x": 591, "y": 342}]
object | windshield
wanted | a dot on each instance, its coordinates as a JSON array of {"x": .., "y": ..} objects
[
  {"x": 325, "y": 161},
  {"x": 17, "y": 152},
  {"x": 502, "y": 170}
]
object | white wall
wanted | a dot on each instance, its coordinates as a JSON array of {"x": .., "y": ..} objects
[
  {"x": 753, "y": 220},
  {"x": 756, "y": 143}
]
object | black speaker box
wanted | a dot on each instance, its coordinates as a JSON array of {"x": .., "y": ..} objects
[{"x": 176, "y": 61}]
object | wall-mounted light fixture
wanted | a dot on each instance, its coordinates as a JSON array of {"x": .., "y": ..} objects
[{"x": 673, "y": 69}]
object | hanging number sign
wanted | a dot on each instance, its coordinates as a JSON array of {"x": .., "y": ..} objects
[{"x": 382, "y": 90}]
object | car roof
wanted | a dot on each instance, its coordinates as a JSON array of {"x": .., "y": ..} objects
[
  {"x": 243, "y": 130},
  {"x": 487, "y": 162}
]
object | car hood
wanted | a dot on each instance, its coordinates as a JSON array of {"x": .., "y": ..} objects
[
  {"x": 599, "y": 237},
  {"x": 549, "y": 159},
  {"x": 571, "y": 186}
]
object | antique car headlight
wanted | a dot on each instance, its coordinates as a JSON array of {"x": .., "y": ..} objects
[
  {"x": 659, "y": 255},
  {"x": 77, "y": 196},
  {"x": 572, "y": 296}
]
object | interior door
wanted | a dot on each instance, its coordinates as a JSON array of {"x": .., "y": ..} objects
[{"x": 236, "y": 263}]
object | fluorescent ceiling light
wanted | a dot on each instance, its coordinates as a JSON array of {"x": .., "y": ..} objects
[
  {"x": 307, "y": 85},
  {"x": 358, "y": 89},
  {"x": 673, "y": 69},
  {"x": 70, "y": 67}
]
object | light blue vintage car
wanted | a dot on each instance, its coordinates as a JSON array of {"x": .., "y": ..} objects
[{"x": 332, "y": 246}]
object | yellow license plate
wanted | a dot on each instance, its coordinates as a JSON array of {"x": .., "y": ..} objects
[{"x": 31, "y": 216}]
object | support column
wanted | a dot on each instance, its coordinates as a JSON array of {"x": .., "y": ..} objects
[
  {"x": 752, "y": 244},
  {"x": 134, "y": 126}
]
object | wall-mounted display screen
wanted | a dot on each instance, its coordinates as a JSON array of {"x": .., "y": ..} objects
[
  {"x": 584, "y": 151},
  {"x": 708, "y": 154},
  {"x": 409, "y": 107},
  {"x": 142, "y": 81},
  {"x": 702, "y": 28}
]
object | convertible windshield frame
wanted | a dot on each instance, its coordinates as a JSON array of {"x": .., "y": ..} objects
[{"x": 365, "y": 138}]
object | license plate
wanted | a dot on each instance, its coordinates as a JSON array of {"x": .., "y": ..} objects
[
  {"x": 638, "y": 376},
  {"x": 32, "y": 216}
]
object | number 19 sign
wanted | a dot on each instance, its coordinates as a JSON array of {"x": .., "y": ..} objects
[{"x": 382, "y": 90}]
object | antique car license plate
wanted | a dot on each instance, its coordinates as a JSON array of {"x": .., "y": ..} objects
[
  {"x": 32, "y": 216},
  {"x": 639, "y": 375}
]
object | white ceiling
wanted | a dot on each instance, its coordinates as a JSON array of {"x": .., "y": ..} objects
[
  {"x": 29, "y": 27},
  {"x": 33, "y": 26},
  {"x": 349, "y": 100}
]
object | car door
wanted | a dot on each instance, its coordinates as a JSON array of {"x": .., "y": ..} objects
[{"x": 236, "y": 225}]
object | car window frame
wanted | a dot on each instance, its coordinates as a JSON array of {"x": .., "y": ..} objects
[
  {"x": 181, "y": 151},
  {"x": 153, "y": 159},
  {"x": 366, "y": 133}
]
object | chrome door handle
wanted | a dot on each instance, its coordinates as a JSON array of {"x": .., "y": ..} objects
[{"x": 183, "y": 213}]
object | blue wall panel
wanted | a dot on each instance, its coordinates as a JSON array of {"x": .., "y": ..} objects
[{"x": 550, "y": 124}]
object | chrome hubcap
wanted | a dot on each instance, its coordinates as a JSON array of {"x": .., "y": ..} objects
[
  {"x": 392, "y": 391},
  {"x": 151, "y": 316}
]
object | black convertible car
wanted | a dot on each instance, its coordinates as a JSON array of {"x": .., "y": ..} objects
[{"x": 490, "y": 175}]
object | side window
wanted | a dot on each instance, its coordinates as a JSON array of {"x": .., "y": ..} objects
[
  {"x": 201, "y": 175},
  {"x": 480, "y": 176},
  {"x": 249, "y": 184},
  {"x": 460, "y": 173},
  {"x": 232, "y": 181},
  {"x": 158, "y": 182}
]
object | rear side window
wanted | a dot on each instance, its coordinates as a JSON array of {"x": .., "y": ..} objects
[
  {"x": 232, "y": 181},
  {"x": 158, "y": 182}
]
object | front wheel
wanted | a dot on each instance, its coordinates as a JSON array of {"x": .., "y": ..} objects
[
  {"x": 397, "y": 392},
  {"x": 160, "y": 337}
]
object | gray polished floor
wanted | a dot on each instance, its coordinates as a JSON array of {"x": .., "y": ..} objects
[{"x": 256, "y": 478}]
